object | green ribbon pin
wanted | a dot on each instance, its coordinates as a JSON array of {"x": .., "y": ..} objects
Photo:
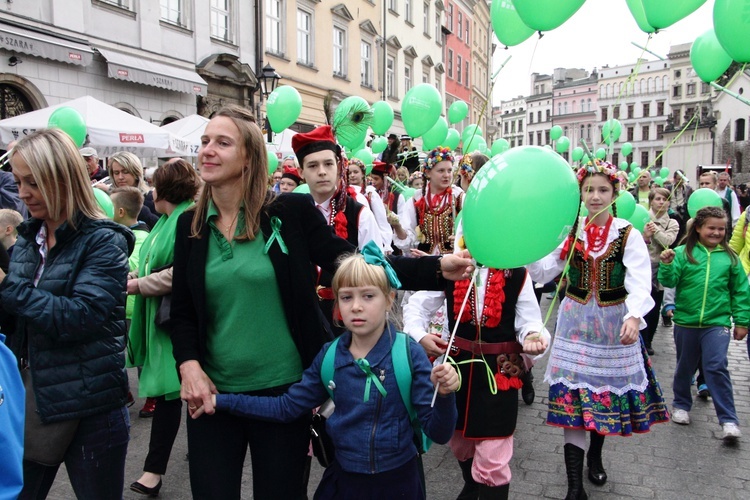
[
  {"x": 276, "y": 236},
  {"x": 364, "y": 365}
]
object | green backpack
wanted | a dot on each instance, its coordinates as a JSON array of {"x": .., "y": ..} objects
[{"x": 403, "y": 370}]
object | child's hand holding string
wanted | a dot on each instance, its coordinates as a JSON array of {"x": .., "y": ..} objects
[
  {"x": 445, "y": 375},
  {"x": 534, "y": 344},
  {"x": 667, "y": 256}
]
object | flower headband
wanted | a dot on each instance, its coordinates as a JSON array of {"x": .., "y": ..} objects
[
  {"x": 437, "y": 155},
  {"x": 374, "y": 256},
  {"x": 464, "y": 167},
  {"x": 599, "y": 167}
]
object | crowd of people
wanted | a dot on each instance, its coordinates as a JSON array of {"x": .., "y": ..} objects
[{"x": 255, "y": 305}]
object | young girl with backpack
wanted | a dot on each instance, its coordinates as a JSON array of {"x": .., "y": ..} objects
[
  {"x": 371, "y": 429},
  {"x": 711, "y": 291}
]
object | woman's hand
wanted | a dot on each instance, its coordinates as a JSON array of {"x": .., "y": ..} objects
[
  {"x": 457, "y": 266},
  {"x": 534, "y": 344},
  {"x": 133, "y": 288},
  {"x": 667, "y": 256},
  {"x": 197, "y": 389},
  {"x": 649, "y": 230},
  {"x": 433, "y": 345},
  {"x": 629, "y": 331},
  {"x": 445, "y": 375}
]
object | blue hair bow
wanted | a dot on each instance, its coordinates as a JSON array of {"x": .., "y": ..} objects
[{"x": 374, "y": 256}]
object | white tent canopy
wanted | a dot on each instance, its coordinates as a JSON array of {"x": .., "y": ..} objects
[
  {"x": 190, "y": 128},
  {"x": 109, "y": 130}
]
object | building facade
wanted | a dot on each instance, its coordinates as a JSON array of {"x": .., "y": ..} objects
[
  {"x": 510, "y": 120},
  {"x": 539, "y": 110},
  {"x": 574, "y": 106}
]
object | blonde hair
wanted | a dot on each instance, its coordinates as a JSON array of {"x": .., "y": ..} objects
[
  {"x": 9, "y": 217},
  {"x": 61, "y": 174},
  {"x": 254, "y": 181},
  {"x": 132, "y": 165},
  {"x": 353, "y": 271}
]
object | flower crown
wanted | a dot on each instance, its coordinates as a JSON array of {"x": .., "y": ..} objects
[
  {"x": 464, "y": 167},
  {"x": 599, "y": 167},
  {"x": 437, "y": 155}
]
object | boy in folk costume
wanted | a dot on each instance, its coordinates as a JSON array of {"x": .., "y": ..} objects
[{"x": 346, "y": 211}]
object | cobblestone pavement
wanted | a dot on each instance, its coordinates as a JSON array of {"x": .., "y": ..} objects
[{"x": 671, "y": 462}]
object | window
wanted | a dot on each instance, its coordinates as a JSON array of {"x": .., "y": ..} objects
[
  {"x": 407, "y": 11},
  {"x": 646, "y": 109},
  {"x": 274, "y": 26},
  {"x": 559, "y": 108},
  {"x": 220, "y": 19},
  {"x": 539, "y": 138},
  {"x": 549, "y": 112},
  {"x": 546, "y": 137},
  {"x": 739, "y": 130},
  {"x": 393, "y": 5},
  {"x": 123, "y": 4},
  {"x": 426, "y": 18},
  {"x": 460, "y": 25},
  {"x": 505, "y": 128},
  {"x": 588, "y": 132},
  {"x": 630, "y": 110},
  {"x": 531, "y": 117},
  {"x": 630, "y": 134},
  {"x": 339, "y": 51},
  {"x": 644, "y": 158},
  {"x": 520, "y": 125},
  {"x": 691, "y": 88},
  {"x": 450, "y": 63},
  {"x": 426, "y": 77},
  {"x": 539, "y": 116},
  {"x": 459, "y": 62},
  {"x": 582, "y": 132},
  {"x": 172, "y": 11},
  {"x": 660, "y": 131},
  {"x": 466, "y": 72},
  {"x": 705, "y": 88},
  {"x": 644, "y": 133},
  {"x": 304, "y": 37},
  {"x": 390, "y": 72},
  {"x": 450, "y": 17},
  {"x": 659, "y": 109},
  {"x": 467, "y": 27},
  {"x": 616, "y": 112},
  {"x": 658, "y": 163},
  {"x": 513, "y": 127},
  {"x": 677, "y": 91},
  {"x": 677, "y": 74},
  {"x": 438, "y": 31},
  {"x": 531, "y": 138},
  {"x": 408, "y": 70},
  {"x": 365, "y": 72}
]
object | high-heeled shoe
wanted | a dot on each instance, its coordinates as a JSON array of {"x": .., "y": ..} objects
[{"x": 145, "y": 490}]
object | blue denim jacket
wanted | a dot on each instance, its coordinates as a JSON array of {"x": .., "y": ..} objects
[{"x": 369, "y": 437}]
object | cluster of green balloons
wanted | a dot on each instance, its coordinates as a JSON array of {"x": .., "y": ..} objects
[
  {"x": 283, "y": 107},
  {"x": 71, "y": 122}
]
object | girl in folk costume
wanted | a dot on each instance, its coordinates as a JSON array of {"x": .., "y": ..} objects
[
  {"x": 500, "y": 326},
  {"x": 599, "y": 373},
  {"x": 355, "y": 174},
  {"x": 427, "y": 223}
]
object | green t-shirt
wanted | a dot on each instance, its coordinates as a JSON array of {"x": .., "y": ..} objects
[
  {"x": 140, "y": 237},
  {"x": 249, "y": 344},
  {"x": 643, "y": 198}
]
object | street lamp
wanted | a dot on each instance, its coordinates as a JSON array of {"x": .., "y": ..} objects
[{"x": 268, "y": 80}]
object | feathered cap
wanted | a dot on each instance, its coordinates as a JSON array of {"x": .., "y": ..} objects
[
  {"x": 319, "y": 139},
  {"x": 599, "y": 167},
  {"x": 437, "y": 155}
]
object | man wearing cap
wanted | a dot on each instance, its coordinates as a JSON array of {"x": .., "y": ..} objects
[
  {"x": 91, "y": 157},
  {"x": 319, "y": 157},
  {"x": 290, "y": 179}
]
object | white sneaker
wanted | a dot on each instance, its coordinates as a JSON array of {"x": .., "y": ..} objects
[
  {"x": 681, "y": 417},
  {"x": 730, "y": 432}
]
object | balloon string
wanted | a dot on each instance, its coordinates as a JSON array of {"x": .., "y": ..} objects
[{"x": 730, "y": 93}]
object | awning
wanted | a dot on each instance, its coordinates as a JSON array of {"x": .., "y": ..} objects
[
  {"x": 47, "y": 46},
  {"x": 135, "y": 69}
]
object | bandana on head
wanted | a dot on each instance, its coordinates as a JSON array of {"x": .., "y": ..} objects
[{"x": 437, "y": 155}]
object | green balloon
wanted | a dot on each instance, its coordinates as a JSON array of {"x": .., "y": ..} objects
[
  {"x": 508, "y": 27},
  {"x": 499, "y": 147},
  {"x": 624, "y": 166},
  {"x": 102, "y": 199},
  {"x": 546, "y": 15},
  {"x": 631, "y": 177},
  {"x": 659, "y": 181},
  {"x": 379, "y": 144},
  {"x": 457, "y": 111},
  {"x": 71, "y": 122},
  {"x": 640, "y": 217},
  {"x": 421, "y": 108},
  {"x": 470, "y": 132},
  {"x": 302, "y": 188},
  {"x": 366, "y": 157},
  {"x": 502, "y": 188},
  {"x": 436, "y": 135},
  {"x": 382, "y": 117},
  {"x": 577, "y": 153},
  {"x": 627, "y": 148},
  {"x": 611, "y": 131},
  {"x": 601, "y": 153},
  {"x": 635, "y": 165},
  {"x": 351, "y": 121},
  {"x": 732, "y": 24},
  {"x": 452, "y": 139},
  {"x": 562, "y": 145},
  {"x": 625, "y": 204},
  {"x": 273, "y": 162},
  {"x": 701, "y": 198},
  {"x": 283, "y": 107},
  {"x": 474, "y": 144},
  {"x": 708, "y": 57},
  {"x": 664, "y": 172},
  {"x": 555, "y": 132},
  {"x": 408, "y": 193},
  {"x": 636, "y": 9},
  {"x": 663, "y": 13},
  {"x": 636, "y": 171}
]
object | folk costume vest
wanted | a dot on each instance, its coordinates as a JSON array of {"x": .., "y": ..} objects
[{"x": 435, "y": 225}]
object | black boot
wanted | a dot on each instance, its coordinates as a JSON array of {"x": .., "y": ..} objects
[
  {"x": 527, "y": 390},
  {"x": 493, "y": 492},
  {"x": 597, "y": 474},
  {"x": 574, "y": 468},
  {"x": 470, "y": 490}
]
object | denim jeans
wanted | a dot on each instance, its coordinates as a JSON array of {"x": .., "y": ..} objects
[
  {"x": 95, "y": 460},
  {"x": 707, "y": 346}
]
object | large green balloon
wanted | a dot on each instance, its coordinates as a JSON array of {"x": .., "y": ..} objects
[
  {"x": 102, "y": 199},
  {"x": 421, "y": 109},
  {"x": 555, "y": 132},
  {"x": 577, "y": 154},
  {"x": 562, "y": 145},
  {"x": 732, "y": 25},
  {"x": 436, "y": 135},
  {"x": 71, "y": 122},
  {"x": 636, "y": 9},
  {"x": 627, "y": 148},
  {"x": 701, "y": 198},
  {"x": 379, "y": 144},
  {"x": 546, "y": 15},
  {"x": 708, "y": 57},
  {"x": 640, "y": 217},
  {"x": 507, "y": 197},
  {"x": 499, "y": 147},
  {"x": 457, "y": 111},
  {"x": 625, "y": 204},
  {"x": 302, "y": 188},
  {"x": 273, "y": 162},
  {"x": 476, "y": 143},
  {"x": 611, "y": 130},
  {"x": 382, "y": 117},
  {"x": 601, "y": 153},
  {"x": 470, "y": 132},
  {"x": 508, "y": 27},
  {"x": 366, "y": 158},
  {"x": 283, "y": 107},
  {"x": 663, "y": 13},
  {"x": 452, "y": 139}
]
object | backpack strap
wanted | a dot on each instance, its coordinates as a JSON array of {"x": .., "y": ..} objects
[
  {"x": 402, "y": 368},
  {"x": 327, "y": 367}
]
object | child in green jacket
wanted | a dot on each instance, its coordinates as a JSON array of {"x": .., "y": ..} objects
[{"x": 711, "y": 290}]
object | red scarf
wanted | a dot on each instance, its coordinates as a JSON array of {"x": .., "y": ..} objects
[
  {"x": 338, "y": 211},
  {"x": 431, "y": 203},
  {"x": 494, "y": 296}
]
